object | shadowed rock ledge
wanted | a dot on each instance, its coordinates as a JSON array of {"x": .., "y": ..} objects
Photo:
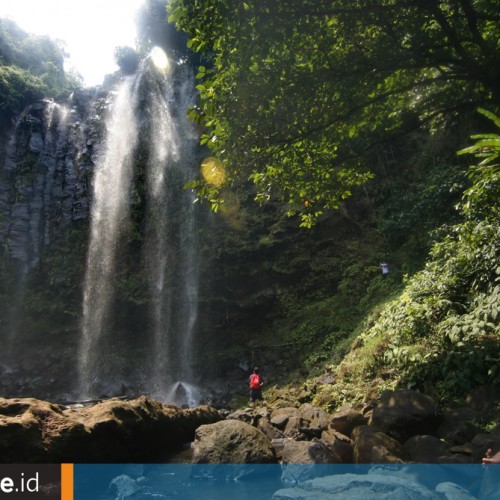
[{"x": 115, "y": 430}]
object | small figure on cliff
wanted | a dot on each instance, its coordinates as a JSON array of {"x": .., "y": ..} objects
[
  {"x": 255, "y": 382},
  {"x": 384, "y": 268},
  {"x": 489, "y": 458}
]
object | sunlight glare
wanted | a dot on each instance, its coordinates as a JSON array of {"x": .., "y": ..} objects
[
  {"x": 91, "y": 30},
  {"x": 160, "y": 59},
  {"x": 213, "y": 171}
]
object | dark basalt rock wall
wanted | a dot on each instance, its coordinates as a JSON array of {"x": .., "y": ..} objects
[{"x": 45, "y": 171}]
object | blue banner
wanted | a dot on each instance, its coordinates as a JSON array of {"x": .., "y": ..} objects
[{"x": 285, "y": 482}]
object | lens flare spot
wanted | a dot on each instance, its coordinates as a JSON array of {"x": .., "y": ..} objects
[
  {"x": 160, "y": 59},
  {"x": 213, "y": 171}
]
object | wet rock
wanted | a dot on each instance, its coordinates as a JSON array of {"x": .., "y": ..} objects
[
  {"x": 366, "y": 438},
  {"x": 36, "y": 142},
  {"x": 45, "y": 174},
  {"x": 307, "y": 452},
  {"x": 458, "y": 425},
  {"x": 340, "y": 445},
  {"x": 346, "y": 419},
  {"x": 231, "y": 442},
  {"x": 428, "y": 450},
  {"x": 404, "y": 413}
]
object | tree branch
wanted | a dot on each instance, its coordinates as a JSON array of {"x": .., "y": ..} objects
[{"x": 471, "y": 17}]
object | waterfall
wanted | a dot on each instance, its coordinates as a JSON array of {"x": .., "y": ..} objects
[
  {"x": 171, "y": 247},
  {"x": 148, "y": 112},
  {"x": 109, "y": 212}
]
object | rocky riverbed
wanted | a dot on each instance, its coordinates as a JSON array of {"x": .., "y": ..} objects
[{"x": 402, "y": 427}]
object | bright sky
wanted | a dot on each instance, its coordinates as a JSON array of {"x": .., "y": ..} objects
[{"x": 91, "y": 29}]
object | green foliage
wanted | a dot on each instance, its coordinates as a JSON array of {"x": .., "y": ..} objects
[
  {"x": 293, "y": 95},
  {"x": 18, "y": 86},
  {"x": 49, "y": 302},
  {"x": 338, "y": 285},
  {"x": 443, "y": 333},
  {"x": 31, "y": 67},
  {"x": 419, "y": 205},
  {"x": 481, "y": 200}
]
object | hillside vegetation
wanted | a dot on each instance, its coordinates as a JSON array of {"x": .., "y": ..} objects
[
  {"x": 31, "y": 67},
  {"x": 441, "y": 335},
  {"x": 361, "y": 107}
]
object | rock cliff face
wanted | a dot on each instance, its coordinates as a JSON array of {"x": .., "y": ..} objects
[
  {"x": 45, "y": 168},
  {"x": 48, "y": 165},
  {"x": 47, "y": 159}
]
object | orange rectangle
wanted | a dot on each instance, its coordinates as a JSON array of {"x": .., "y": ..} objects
[{"x": 67, "y": 486}]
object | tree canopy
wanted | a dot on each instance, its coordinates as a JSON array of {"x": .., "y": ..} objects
[
  {"x": 294, "y": 93},
  {"x": 31, "y": 67}
]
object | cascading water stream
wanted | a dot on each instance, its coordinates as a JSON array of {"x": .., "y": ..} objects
[
  {"x": 109, "y": 212},
  {"x": 158, "y": 255},
  {"x": 149, "y": 109},
  {"x": 171, "y": 253}
]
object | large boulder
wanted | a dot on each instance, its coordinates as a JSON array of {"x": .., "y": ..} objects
[
  {"x": 231, "y": 442},
  {"x": 404, "y": 413},
  {"x": 37, "y": 431},
  {"x": 246, "y": 415},
  {"x": 458, "y": 425},
  {"x": 304, "y": 423},
  {"x": 340, "y": 445},
  {"x": 318, "y": 419},
  {"x": 428, "y": 450},
  {"x": 281, "y": 416},
  {"x": 308, "y": 452},
  {"x": 372, "y": 446},
  {"x": 138, "y": 430},
  {"x": 346, "y": 419},
  {"x": 264, "y": 425}
]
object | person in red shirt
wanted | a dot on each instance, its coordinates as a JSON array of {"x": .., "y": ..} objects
[{"x": 255, "y": 382}]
